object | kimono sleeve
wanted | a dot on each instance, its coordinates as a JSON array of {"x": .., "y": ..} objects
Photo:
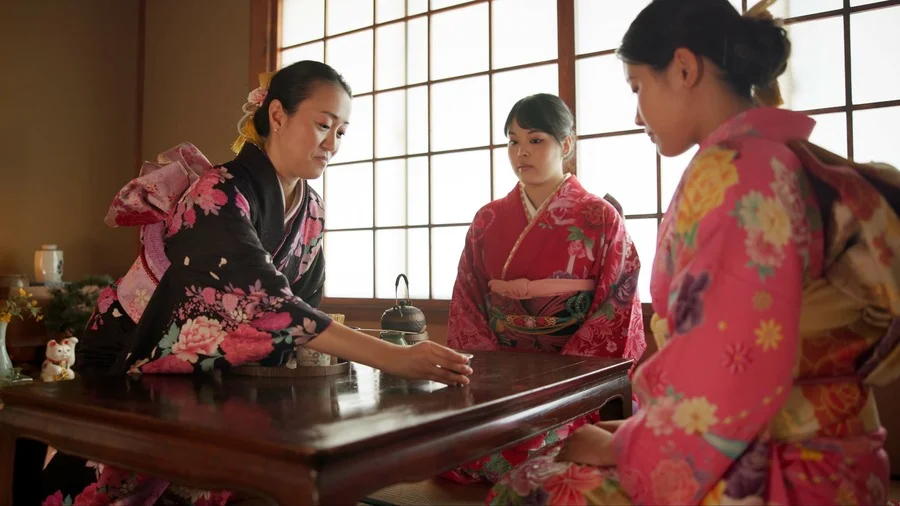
[
  {"x": 222, "y": 302},
  {"x": 735, "y": 251},
  {"x": 311, "y": 285},
  {"x": 615, "y": 326},
  {"x": 467, "y": 326}
]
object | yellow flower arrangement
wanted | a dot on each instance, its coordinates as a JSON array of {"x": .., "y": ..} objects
[{"x": 20, "y": 305}]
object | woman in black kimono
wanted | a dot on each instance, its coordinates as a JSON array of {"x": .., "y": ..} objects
[{"x": 231, "y": 268}]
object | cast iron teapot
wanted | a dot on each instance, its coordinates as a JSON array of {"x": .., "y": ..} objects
[{"x": 403, "y": 316}]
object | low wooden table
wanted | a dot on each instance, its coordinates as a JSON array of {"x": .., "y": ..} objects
[{"x": 318, "y": 440}]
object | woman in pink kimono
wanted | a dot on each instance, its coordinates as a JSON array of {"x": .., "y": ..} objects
[
  {"x": 547, "y": 269},
  {"x": 776, "y": 280}
]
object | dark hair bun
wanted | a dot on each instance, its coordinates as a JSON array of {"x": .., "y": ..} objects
[
  {"x": 752, "y": 52},
  {"x": 759, "y": 53}
]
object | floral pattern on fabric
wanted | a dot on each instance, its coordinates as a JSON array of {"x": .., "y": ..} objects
[
  {"x": 758, "y": 395},
  {"x": 576, "y": 235},
  {"x": 219, "y": 302}
]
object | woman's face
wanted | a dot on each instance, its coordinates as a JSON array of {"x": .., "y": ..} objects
[
  {"x": 536, "y": 157},
  {"x": 671, "y": 101},
  {"x": 301, "y": 144}
]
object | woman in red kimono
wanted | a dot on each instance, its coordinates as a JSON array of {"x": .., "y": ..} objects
[
  {"x": 776, "y": 279},
  {"x": 549, "y": 268}
]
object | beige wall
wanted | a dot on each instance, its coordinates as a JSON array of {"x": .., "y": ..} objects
[
  {"x": 68, "y": 96},
  {"x": 195, "y": 81},
  {"x": 69, "y": 93}
]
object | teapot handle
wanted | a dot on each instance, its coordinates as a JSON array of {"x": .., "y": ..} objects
[{"x": 397, "y": 288}]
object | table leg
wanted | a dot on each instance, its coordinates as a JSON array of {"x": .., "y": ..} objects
[
  {"x": 627, "y": 406},
  {"x": 29, "y": 464},
  {"x": 7, "y": 464}
]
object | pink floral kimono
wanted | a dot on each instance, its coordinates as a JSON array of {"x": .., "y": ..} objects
[
  {"x": 776, "y": 280},
  {"x": 560, "y": 278}
]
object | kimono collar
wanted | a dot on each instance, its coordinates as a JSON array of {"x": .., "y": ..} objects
[
  {"x": 254, "y": 172},
  {"x": 530, "y": 210},
  {"x": 779, "y": 125}
]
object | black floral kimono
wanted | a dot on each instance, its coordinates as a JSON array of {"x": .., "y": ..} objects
[{"x": 224, "y": 278}]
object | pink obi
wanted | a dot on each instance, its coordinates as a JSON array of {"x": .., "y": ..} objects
[
  {"x": 147, "y": 201},
  {"x": 526, "y": 289}
]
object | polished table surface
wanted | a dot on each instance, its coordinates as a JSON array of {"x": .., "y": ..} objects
[{"x": 328, "y": 439}]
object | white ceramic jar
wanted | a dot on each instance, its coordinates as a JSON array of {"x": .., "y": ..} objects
[{"x": 48, "y": 264}]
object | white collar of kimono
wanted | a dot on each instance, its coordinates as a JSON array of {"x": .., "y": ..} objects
[
  {"x": 292, "y": 209},
  {"x": 530, "y": 208}
]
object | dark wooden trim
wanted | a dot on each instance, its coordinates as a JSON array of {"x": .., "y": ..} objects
[
  {"x": 140, "y": 75},
  {"x": 139, "y": 88},
  {"x": 430, "y": 144},
  {"x": 375, "y": 149},
  {"x": 565, "y": 34},
  {"x": 846, "y": 10},
  {"x": 490, "y": 99},
  {"x": 602, "y": 52},
  {"x": 848, "y": 78},
  {"x": 435, "y": 310},
  {"x": 264, "y": 38},
  {"x": 427, "y": 13}
]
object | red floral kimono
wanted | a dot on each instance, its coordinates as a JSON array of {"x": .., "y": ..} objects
[
  {"x": 776, "y": 281},
  {"x": 561, "y": 278}
]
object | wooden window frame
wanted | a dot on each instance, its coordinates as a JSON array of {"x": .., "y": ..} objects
[{"x": 264, "y": 47}]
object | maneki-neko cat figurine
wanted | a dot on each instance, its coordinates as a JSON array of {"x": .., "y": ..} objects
[{"x": 60, "y": 359}]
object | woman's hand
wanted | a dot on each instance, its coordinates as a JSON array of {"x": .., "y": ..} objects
[
  {"x": 430, "y": 361},
  {"x": 419, "y": 361},
  {"x": 589, "y": 445}
]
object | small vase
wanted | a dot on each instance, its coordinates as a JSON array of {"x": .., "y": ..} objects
[{"x": 6, "y": 366}]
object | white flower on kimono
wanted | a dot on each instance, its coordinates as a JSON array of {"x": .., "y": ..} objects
[
  {"x": 198, "y": 336},
  {"x": 772, "y": 218},
  {"x": 309, "y": 328},
  {"x": 659, "y": 416},
  {"x": 695, "y": 415},
  {"x": 141, "y": 298}
]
